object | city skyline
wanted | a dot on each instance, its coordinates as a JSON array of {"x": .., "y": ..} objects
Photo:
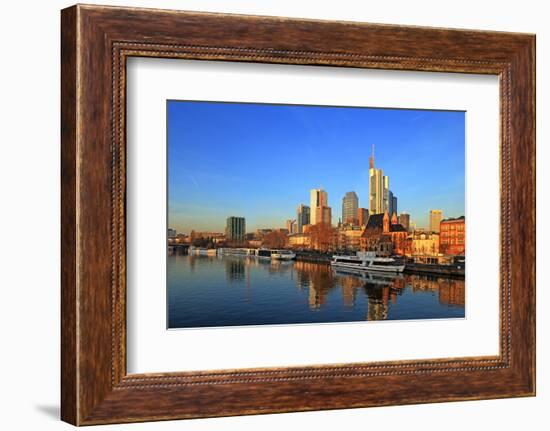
[{"x": 229, "y": 170}]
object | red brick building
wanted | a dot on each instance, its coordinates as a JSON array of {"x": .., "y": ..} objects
[
  {"x": 452, "y": 236},
  {"x": 384, "y": 235}
]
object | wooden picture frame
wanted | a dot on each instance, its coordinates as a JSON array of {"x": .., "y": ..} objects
[{"x": 95, "y": 43}]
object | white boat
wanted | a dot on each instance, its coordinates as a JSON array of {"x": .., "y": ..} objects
[
  {"x": 201, "y": 251},
  {"x": 263, "y": 253},
  {"x": 367, "y": 261},
  {"x": 237, "y": 251},
  {"x": 282, "y": 255}
]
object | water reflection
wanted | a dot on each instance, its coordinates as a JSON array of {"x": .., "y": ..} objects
[
  {"x": 254, "y": 291},
  {"x": 235, "y": 270},
  {"x": 382, "y": 288}
]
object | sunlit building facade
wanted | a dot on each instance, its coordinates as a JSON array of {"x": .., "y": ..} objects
[
  {"x": 323, "y": 215},
  {"x": 453, "y": 236},
  {"x": 318, "y": 198},
  {"x": 376, "y": 187},
  {"x": 423, "y": 244},
  {"x": 386, "y": 193},
  {"x": 435, "y": 219},
  {"x": 350, "y": 205},
  {"x": 379, "y": 189},
  {"x": 302, "y": 217},
  {"x": 235, "y": 228},
  {"x": 291, "y": 226},
  {"x": 362, "y": 216},
  {"x": 405, "y": 220},
  {"x": 349, "y": 238}
]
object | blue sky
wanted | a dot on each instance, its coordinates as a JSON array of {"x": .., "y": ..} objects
[{"x": 260, "y": 161}]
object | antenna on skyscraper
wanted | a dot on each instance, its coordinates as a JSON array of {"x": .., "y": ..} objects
[{"x": 372, "y": 157}]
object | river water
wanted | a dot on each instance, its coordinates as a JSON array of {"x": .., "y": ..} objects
[{"x": 208, "y": 291}]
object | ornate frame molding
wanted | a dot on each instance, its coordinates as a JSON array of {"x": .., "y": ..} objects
[{"x": 96, "y": 41}]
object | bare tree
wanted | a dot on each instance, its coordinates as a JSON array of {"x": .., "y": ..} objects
[
  {"x": 323, "y": 237},
  {"x": 275, "y": 239}
]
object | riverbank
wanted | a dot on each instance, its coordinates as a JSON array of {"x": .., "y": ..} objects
[
  {"x": 317, "y": 257},
  {"x": 412, "y": 268},
  {"x": 427, "y": 269},
  {"x": 313, "y": 257}
]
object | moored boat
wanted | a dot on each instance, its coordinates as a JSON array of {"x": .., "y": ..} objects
[
  {"x": 237, "y": 251},
  {"x": 282, "y": 255},
  {"x": 201, "y": 251},
  {"x": 263, "y": 253},
  {"x": 367, "y": 261}
]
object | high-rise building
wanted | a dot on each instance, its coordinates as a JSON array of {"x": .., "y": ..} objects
[
  {"x": 362, "y": 216},
  {"x": 390, "y": 203},
  {"x": 386, "y": 194},
  {"x": 318, "y": 199},
  {"x": 323, "y": 215},
  {"x": 376, "y": 192},
  {"x": 435, "y": 220},
  {"x": 405, "y": 220},
  {"x": 291, "y": 226},
  {"x": 376, "y": 187},
  {"x": 235, "y": 228},
  {"x": 394, "y": 204},
  {"x": 172, "y": 233},
  {"x": 302, "y": 217},
  {"x": 350, "y": 204}
]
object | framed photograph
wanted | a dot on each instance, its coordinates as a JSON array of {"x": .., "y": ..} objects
[
  {"x": 282, "y": 261},
  {"x": 264, "y": 215}
]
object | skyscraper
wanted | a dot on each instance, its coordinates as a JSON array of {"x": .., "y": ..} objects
[
  {"x": 318, "y": 199},
  {"x": 235, "y": 228},
  {"x": 386, "y": 194},
  {"x": 323, "y": 215},
  {"x": 350, "y": 203},
  {"x": 394, "y": 204},
  {"x": 291, "y": 226},
  {"x": 435, "y": 220},
  {"x": 390, "y": 203},
  {"x": 302, "y": 217},
  {"x": 405, "y": 220},
  {"x": 362, "y": 216},
  {"x": 376, "y": 187}
]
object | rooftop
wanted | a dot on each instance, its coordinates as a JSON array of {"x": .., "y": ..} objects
[{"x": 451, "y": 219}]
